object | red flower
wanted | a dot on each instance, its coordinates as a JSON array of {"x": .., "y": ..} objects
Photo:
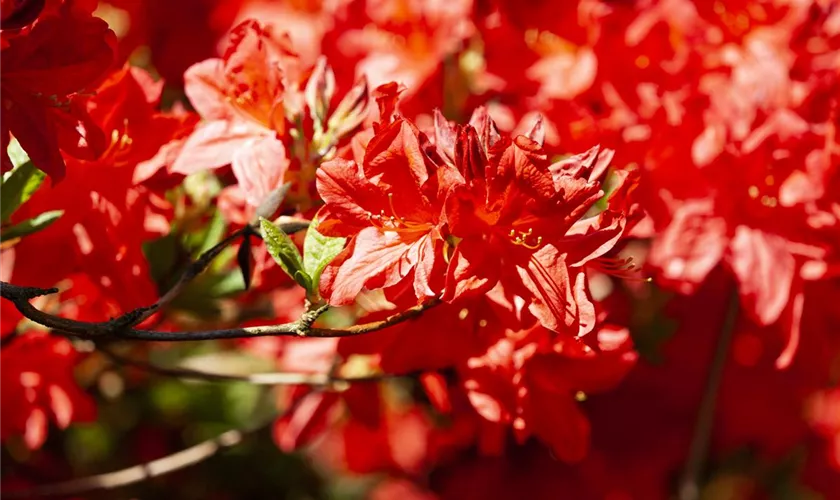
[
  {"x": 45, "y": 71},
  {"x": 107, "y": 213},
  {"x": 390, "y": 202},
  {"x": 405, "y": 42},
  {"x": 517, "y": 220},
  {"x": 243, "y": 98},
  {"x": 38, "y": 386},
  {"x": 530, "y": 380}
]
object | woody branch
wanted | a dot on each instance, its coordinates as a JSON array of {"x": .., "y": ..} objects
[{"x": 123, "y": 327}]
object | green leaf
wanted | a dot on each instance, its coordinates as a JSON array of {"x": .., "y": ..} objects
[
  {"x": 213, "y": 233},
  {"x": 16, "y": 153},
  {"x": 318, "y": 251},
  {"x": 18, "y": 186},
  {"x": 303, "y": 280},
  {"x": 225, "y": 285},
  {"x": 30, "y": 226},
  {"x": 285, "y": 253}
]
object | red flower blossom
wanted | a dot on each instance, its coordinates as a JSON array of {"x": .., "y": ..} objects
[
  {"x": 390, "y": 201},
  {"x": 38, "y": 387},
  {"x": 46, "y": 70},
  {"x": 522, "y": 382},
  {"x": 107, "y": 214},
  {"x": 243, "y": 99},
  {"x": 518, "y": 220}
]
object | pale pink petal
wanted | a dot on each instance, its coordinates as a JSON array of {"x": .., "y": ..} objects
[{"x": 260, "y": 167}]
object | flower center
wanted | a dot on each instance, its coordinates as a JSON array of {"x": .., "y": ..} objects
[
  {"x": 393, "y": 221},
  {"x": 525, "y": 239}
]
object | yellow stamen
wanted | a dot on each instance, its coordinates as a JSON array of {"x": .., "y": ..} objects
[{"x": 522, "y": 239}]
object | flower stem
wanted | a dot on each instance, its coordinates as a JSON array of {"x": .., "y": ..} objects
[{"x": 689, "y": 488}]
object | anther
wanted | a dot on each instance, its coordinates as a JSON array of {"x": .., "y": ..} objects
[{"x": 522, "y": 239}]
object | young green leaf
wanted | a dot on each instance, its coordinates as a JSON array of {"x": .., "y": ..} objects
[
  {"x": 284, "y": 251},
  {"x": 318, "y": 251},
  {"x": 303, "y": 280},
  {"x": 18, "y": 186},
  {"x": 30, "y": 226},
  {"x": 16, "y": 153}
]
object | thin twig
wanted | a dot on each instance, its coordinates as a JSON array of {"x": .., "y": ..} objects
[
  {"x": 137, "y": 316},
  {"x": 689, "y": 488},
  {"x": 275, "y": 378},
  {"x": 182, "y": 459},
  {"x": 195, "y": 268},
  {"x": 117, "y": 329}
]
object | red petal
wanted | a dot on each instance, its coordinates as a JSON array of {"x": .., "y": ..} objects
[
  {"x": 765, "y": 270},
  {"x": 204, "y": 85},
  {"x": 260, "y": 167},
  {"x": 61, "y": 406},
  {"x": 379, "y": 259},
  {"x": 35, "y": 131},
  {"x": 691, "y": 246},
  {"x": 555, "y": 418},
  {"x": 591, "y": 238},
  {"x": 547, "y": 278},
  {"x": 435, "y": 387},
  {"x": 473, "y": 270},
  {"x": 305, "y": 421},
  {"x": 62, "y": 55},
  {"x": 213, "y": 145},
  {"x": 351, "y": 199},
  {"x": 394, "y": 152},
  {"x": 36, "y": 429}
]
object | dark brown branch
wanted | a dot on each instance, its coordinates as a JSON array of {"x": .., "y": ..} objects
[
  {"x": 117, "y": 329},
  {"x": 123, "y": 326},
  {"x": 182, "y": 459},
  {"x": 195, "y": 268},
  {"x": 275, "y": 378},
  {"x": 137, "y": 316}
]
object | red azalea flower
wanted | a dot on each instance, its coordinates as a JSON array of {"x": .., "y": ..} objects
[
  {"x": 530, "y": 380},
  {"x": 390, "y": 202},
  {"x": 38, "y": 386},
  {"x": 399, "y": 41},
  {"x": 242, "y": 98},
  {"x": 45, "y": 72},
  {"x": 107, "y": 214},
  {"x": 518, "y": 220}
]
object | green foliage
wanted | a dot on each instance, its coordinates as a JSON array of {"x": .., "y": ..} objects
[
  {"x": 16, "y": 153},
  {"x": 318, "y": 251},
  {"x": 18, "y": 186},
  {"x": 285, "y": 253},
  {"x": 30, "y": 226}
]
